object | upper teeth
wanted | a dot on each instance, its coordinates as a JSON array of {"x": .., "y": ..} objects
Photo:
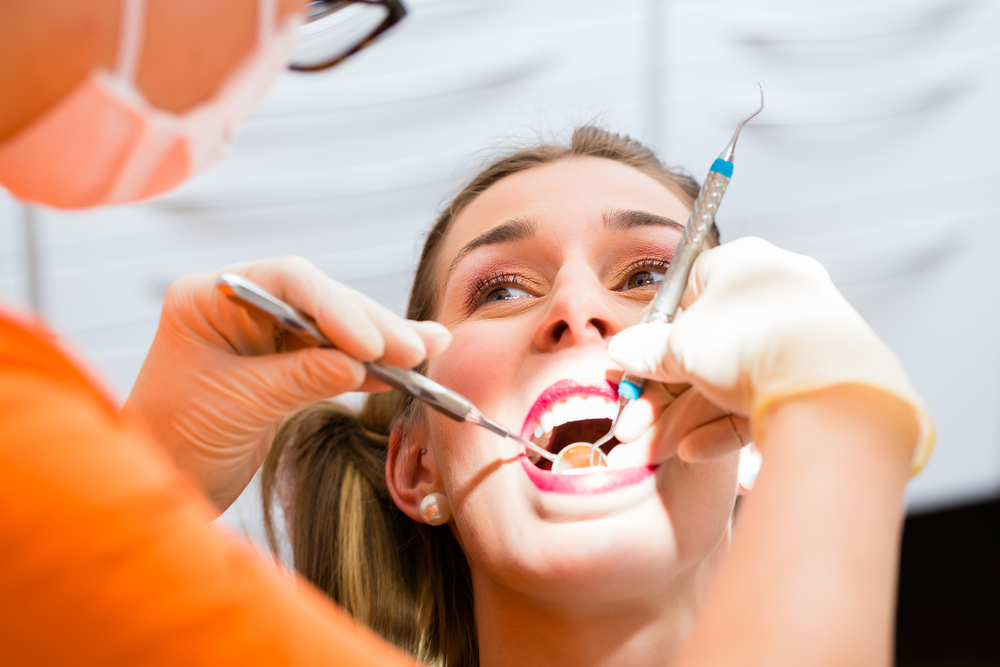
[{"x": 575, "y": 408}]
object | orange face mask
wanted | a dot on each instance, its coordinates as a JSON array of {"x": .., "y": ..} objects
[{"x": 105, "y": 144}]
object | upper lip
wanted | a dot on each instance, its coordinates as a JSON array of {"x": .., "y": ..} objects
[{"x": 562, "y": 390}]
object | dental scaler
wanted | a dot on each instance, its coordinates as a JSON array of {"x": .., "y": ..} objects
[
  {"x": 252, "y": 296},
  {"x": 668, "y": 297}
]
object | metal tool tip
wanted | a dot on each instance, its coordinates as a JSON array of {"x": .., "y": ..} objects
[{"x": 727, "y": 154}]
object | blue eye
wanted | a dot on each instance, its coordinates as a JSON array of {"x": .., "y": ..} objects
[
  {"x": 506, "y": 294},
  {"x": 644, "y": 278}
]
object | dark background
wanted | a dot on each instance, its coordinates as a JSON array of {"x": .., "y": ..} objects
[{"x": 949, "y": 588}]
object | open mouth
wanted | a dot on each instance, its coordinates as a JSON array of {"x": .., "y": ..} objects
[{"x": 569, "y": 412}]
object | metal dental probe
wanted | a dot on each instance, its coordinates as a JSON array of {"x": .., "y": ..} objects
[
  {"x": 253, "y": 297},
  {"x": 610, "y": 434},
  {"x": 668, "y": 297}
]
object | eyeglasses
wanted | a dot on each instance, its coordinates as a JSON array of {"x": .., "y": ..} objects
[{"x": 335, "y": 29}]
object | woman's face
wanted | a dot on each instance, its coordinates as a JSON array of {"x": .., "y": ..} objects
[{"x": 538, "y": 273}]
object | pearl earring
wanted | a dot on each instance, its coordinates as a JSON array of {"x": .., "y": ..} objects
[
  {"x": 749, "y": 466},
  {"x": 435, "y": 509}
]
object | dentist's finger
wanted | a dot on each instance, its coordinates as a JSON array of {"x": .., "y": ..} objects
[
  {"x": 354, "y": 322},
  {"x": 436, "y": 339},
  {"x": 714, "y": 439},
  {"x": 404, "y": 346},
  {"x": 685, "y": 413},
  {"x": 435, "y": 335},
  {"x": 632, "y": 454},
  {"x": 644, "y": 350},
  {"x": 688, "y": 412},
  {"x": 283, "y": 382},
  {"x": 341, "y": 313},
  {"x": 643, "y": 412}
]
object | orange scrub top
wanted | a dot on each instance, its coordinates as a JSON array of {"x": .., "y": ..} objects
[{"x": 106, "y": 552}]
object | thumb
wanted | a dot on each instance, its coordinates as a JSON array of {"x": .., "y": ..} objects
[{"x": 644, "y": 350}]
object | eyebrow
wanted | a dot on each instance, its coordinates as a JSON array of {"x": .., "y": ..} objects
[
  {"x": 618, "y": 220},
  {"x": 511, "y": 231},
  {"x": 522, "y": 229}
]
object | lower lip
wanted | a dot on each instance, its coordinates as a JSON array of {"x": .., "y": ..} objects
[{"x": 589, "y": 483}]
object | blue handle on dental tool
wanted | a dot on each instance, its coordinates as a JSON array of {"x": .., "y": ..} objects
[{"x": 668, "y": 297}]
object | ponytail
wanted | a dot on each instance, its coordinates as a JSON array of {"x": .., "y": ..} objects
[{"x": 407, "y": 581}]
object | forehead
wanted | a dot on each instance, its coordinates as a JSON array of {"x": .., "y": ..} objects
[{"x": 562, "y": 197}]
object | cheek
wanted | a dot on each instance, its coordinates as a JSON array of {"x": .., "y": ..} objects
[
  {"x": 631, "y": 311},
  {"x": 482, "y": 364},
  {"x": 463, "y": 452},
  {"x": 478, "y": 471},
  {"x": 699, "y": 499},
  {"x": 483, "y": 360}
]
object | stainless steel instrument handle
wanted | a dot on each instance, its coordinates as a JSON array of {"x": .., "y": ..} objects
[
  {"x": 430, "y": 392},
  {"x": 249, "y": 294},
  {"x": 668, "y": 298}
]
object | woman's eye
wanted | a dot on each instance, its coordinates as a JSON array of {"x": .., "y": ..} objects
[
  {"x": 505, "y": 294},
  {"x": 644, "y": 278}
]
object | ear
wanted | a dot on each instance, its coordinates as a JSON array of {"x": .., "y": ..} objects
[{"x": 410, "y": 470}]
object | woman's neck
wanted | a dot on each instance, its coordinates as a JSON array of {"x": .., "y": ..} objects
[{"x": 517, "y": 628}]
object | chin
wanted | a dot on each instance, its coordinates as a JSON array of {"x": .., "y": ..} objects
[
  {"x": 580, "y": 549},
  {"x": 603, "y": 536}
]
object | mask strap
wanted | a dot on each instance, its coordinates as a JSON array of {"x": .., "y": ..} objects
[
  {"x": 267, "y": 18},
  {"x": 130, "y": 28}
]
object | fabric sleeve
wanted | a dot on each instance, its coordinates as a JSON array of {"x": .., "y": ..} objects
[{"x": 107, "y": 556}]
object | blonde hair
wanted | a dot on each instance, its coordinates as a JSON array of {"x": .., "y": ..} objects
[{"x": 408, "y": 581}]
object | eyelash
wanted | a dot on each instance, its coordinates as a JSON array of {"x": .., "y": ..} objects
[
  {"x": 645, "y": 264},
  {"x": 484, "y": 284}
]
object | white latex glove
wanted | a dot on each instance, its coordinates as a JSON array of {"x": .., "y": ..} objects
[
  {"x": 213, "y": 388},
  {"x": 761, "y": 325}
]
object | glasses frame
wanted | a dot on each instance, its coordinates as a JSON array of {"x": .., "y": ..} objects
[{"x": 396, "y": 13}]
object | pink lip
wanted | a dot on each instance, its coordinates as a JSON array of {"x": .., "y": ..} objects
[
  {"x": 591, "y": 483},
  {"x": 561, "y": 390},
  {"x": 595, "y": 482}
]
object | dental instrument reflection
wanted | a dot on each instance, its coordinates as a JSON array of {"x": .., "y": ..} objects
[
  {"x": 668, "y": 297},
  {"x": 253, "y": 297}
]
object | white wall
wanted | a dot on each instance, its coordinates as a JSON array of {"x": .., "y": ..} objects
[{"x": 875, "y": 154}]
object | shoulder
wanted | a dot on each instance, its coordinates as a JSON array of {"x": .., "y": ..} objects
[{"x": 29, "y": 349}]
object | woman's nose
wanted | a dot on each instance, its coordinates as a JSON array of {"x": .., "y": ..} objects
[{"x": 578, "y": 313}]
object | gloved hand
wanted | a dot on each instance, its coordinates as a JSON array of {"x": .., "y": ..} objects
[
  {"x": 759, "y": 325},
  {"x": 215, "y": 387}
]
